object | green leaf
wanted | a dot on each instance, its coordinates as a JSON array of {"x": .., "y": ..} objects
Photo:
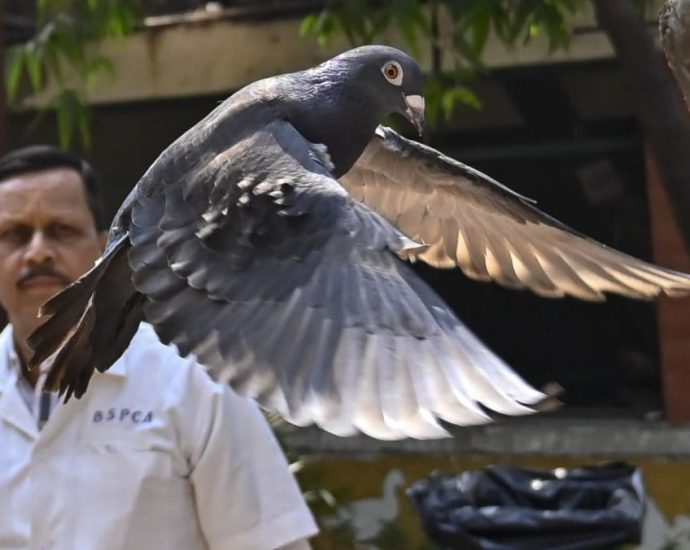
[
  {"x": 73, "y": 118},
  {"x": 412, "y": 22},
  {"x": 72, "y": 50},
  {"x": 54, "y": 65},
  {"x": 65, "y": 34},
  {"x": 467, "y": 51},
  {"x": 480, "y": 25},
  {"x": 65, "y": 121},
  {"x": 98, "y": 67},
  {"x": 381, "y": 19},
  {"x": 459, "y": 94},
  {"x": 116, "y": 25},
  {"x": 433, "y": 93},
  {"x": 325, "y": 28},
  {"x": 533, "y": 30},
  {"x": 309, "y": 25},
  {"x": 84, "y": 123},
  {"x": 34, "y": 66},
  {"x": 15, "y": 69}
]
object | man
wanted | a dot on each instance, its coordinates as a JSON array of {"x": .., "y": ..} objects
[{"x": 155, "y": 455}]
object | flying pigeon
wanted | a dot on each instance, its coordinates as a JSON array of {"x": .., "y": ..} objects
[{"x": 272, "y": 241}]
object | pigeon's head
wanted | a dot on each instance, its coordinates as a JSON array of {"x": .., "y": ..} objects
[{"x": 392, "y": 80}]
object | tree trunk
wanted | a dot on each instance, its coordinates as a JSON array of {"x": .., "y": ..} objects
[
  {"x": 660, "y": 106},
  {"x": 3, "y": 96},
  {"x": 674, "y": 31}
]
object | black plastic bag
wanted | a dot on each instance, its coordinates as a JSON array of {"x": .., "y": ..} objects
[{"x": 509, "y": 508}]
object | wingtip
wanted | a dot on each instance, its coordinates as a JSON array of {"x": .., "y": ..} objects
[
  {"x": 675, "y": 293},
  {"x": 551, "y": 402},
  {"x": 39, "y": 356},
  {"x": 411, "y": 249}
]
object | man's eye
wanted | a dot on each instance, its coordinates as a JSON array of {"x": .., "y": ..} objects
[
  {"x": 62, "y": 230},
  {"x": 16, "y": 234}
]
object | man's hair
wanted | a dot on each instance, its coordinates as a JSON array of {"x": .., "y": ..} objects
[{"x": 45, "y": 157}]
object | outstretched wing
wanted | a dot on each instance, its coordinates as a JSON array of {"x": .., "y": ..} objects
[
  {"x": 471, "y": 221},
  {"x": 261, "y": 264}
]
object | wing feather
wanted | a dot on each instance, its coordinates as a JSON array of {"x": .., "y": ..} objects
[
  {"x": 308, "y": 306},
  {"x": 490, "y": 232}
]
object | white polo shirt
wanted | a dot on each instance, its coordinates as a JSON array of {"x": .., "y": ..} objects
[{"x": 155, "y": 456}]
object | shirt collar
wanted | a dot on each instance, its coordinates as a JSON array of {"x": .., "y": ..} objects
[
  {"x": 9, "y": 360},
  {"x": 6, "y": 371}
]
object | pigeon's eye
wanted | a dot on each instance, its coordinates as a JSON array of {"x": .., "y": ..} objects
[{"x": 393, "y": 72}]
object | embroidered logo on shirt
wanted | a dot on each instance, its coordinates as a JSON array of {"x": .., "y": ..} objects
[{"x": 123, "y": 414}]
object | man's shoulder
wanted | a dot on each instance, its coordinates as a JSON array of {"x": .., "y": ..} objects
[
  {"x": 147, "y": 357},
  {"x": 152, "y": 368},
  {"x": 146, "y": 344}
]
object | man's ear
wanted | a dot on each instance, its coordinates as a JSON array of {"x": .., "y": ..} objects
[{"x": 102, "y": 239}]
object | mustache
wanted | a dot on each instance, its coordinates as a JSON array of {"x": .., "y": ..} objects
[{"x": 41, "y": 271}]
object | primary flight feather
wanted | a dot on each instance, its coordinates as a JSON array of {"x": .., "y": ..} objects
[{"x": 271, "y": 240}]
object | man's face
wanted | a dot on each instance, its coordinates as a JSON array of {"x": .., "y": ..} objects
[{"x": 48, "y": 238}]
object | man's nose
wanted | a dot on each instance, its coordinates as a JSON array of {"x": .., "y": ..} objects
[{"x": 39, "y": 250}]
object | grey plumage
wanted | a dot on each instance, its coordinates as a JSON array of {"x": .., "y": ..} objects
[{"x": 241, "y": 245}]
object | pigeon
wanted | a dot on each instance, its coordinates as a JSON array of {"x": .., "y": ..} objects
[{"x": 273, "y": 242}]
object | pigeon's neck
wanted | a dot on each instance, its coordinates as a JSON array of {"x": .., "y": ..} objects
[
  {"x": 354, "y": 133},
  {"x": 340, "y": 117}
]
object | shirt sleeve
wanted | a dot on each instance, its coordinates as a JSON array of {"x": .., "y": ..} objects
[{"x": 246, "y": 497}]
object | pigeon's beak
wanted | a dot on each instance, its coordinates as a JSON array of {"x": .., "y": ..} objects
[{"x": 414, "y": 111}]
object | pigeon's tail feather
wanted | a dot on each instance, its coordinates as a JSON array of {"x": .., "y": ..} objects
[
  {"x": 66, "y": 309},
  {"x": 90, "y": 326},
  {"x": 71, "y": 365}
]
